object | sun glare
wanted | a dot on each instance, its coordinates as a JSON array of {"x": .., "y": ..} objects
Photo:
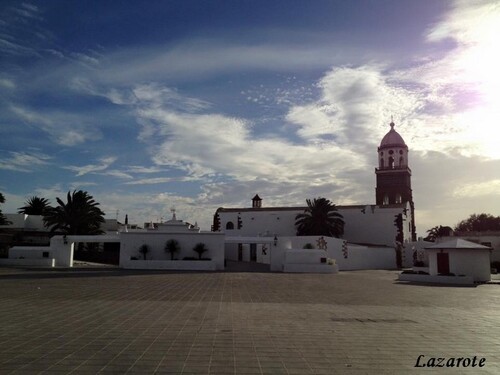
[{"x": 479, "y": 65}]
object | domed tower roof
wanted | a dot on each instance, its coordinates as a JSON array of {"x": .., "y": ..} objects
[{"x": 392, "y": 139}]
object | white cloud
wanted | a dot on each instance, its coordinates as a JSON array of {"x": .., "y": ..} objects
[
  {"x": 225, "y": 145},
  {"x": 354, "y": 108},
  {"x": 66, "y": 129},
  {"x": 24, "y": 161},
  {"x": 160, "y": 180},
  {"x": 484, "y": 188},
  {"x": 142, "y": 169},
  {"x": 104, "y": 164},
  {"x": 116, "y": 173},
  {"x": 7, "y": 83}
]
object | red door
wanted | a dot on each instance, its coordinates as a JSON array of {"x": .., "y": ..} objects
[{"x": 443, "y": 263}]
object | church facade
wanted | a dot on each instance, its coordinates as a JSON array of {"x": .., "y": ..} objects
[{"x": 386, "y": 223}]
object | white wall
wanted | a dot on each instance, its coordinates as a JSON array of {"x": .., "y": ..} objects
[
  {"x": 30, "y": 252},
  {"x": 182, "y": 265},
  {"x": 22, "y": 221},
  {"x": 366, "y": 258},
  {"x": 61, "y": 252},
  {"x": 363, "y": 224},
  {"x": 358, "y": 257},
  {"x": 374, "y": 224},
  {"x": 130, "y": 243},
  {"x": 469, "y": 262},
  {"x": 46, "y": 262},
  {"x": 308, "y": 260}
]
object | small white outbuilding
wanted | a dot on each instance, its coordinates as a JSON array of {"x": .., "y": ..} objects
[{"x": 460, "y": 257}]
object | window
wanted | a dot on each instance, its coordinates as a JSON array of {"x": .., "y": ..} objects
[
  {"x": 386, "y": 199},
  {"x": 229, "y": 225},
  {"x": 398, "y": 198},
  {"x": 391, "y": 162},
  {"x": 401, "y": 161},
  {"x": 381, "y": 163}
]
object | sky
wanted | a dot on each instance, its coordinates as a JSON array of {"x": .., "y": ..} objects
[{"x": 196, "y": 105}]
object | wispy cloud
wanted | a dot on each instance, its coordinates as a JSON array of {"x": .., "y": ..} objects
[
  {"x": 142, "y": 169},
  {"x": 160, "y": 180},
  {"x": 484, "y": 188},
  {"x": 103, "y": 164},
  {"x": 116, "y": 173},
  {"x": 24, "y": 161},
  {"x": 7, "y": 83},
  {"x": 66, "y": 129}
]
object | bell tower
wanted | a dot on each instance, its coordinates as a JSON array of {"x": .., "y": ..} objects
[{"x": 393, "y": 174}]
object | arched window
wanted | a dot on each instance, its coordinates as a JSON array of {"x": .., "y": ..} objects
[
  {"x": 401, "y": 161},
  {"x": 229, "y": 225},
  {"x": 391, "y": 162},
  {"x": 398, "y": 198},
  {"x": 386, "y": 199},
  {"x": 381, "y": 163}
]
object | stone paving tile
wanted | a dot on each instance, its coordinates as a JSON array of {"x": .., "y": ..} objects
[{"x": 128, "y": 322}]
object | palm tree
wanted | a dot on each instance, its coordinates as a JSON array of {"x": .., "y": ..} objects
[
  {"x": 79, "y": 215},
  {"x": 144, "y": 249},
  {"x": 200, "y": 248},
  {"x": 320, "y": 218},
  {"x": 35, "y": 206},
  {"x": 438, "y": 231},
  {"x": 3, "y": 219},
  {"x": 172, "y": 247}
]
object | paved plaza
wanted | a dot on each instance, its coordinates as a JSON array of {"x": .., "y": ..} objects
[{"x": 107, "y": 321}]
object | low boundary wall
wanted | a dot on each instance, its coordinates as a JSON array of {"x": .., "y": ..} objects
[
  {"x": 180, "y": 265},
  {"x": 45, "y": 262}
]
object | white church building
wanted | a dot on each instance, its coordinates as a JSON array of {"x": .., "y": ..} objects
[
  {"x": 376, "y": 236},
  {"x": 387, "y": 223}
]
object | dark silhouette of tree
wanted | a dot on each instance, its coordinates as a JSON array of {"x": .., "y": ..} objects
[
  {"x": 479, "y": 223},
  {"x": 200, "y": 248},
  {"x": 438, "y": 231},
  {"x": 35, "y": 206},
  {"x": 80, "y": 214},
  {"x": 172, "y": 247},
  {"x": 320, "y": 218},
  {"x": 3, "y": 219},
  {"x": 144, "y": 249}
]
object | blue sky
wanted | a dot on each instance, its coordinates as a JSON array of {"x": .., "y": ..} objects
[{"x": 201, "y": 104}]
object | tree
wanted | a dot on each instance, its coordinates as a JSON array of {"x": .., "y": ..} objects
[
  {"x": 320, "y": 218},
  {"x": 172, "y": 247},
  {"x": 3, "y": 219},
  {"x": 79, "y": 215},
  {"x": 35, "y": 206},
  {"x": 438, "y": 231},
  {"x": 144, "y": 249},
  {"x": 479, "y": 223},
  {"x": 200, "y": 248}
]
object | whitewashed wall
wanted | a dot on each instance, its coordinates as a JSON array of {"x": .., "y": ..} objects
[
  {"x": 374, "y": 224},
  {"x": 363, "y": 224},
  {"x": 22, "y": 221},
  {"x": 469, "y": 262},
  {"x": 131, "y": 242},
  {"x": 366, "y": 258},
  {"x": 30, "y": 252},
  {"x": 308, "y": 261},
  {"x": 358, "y": 257}
]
